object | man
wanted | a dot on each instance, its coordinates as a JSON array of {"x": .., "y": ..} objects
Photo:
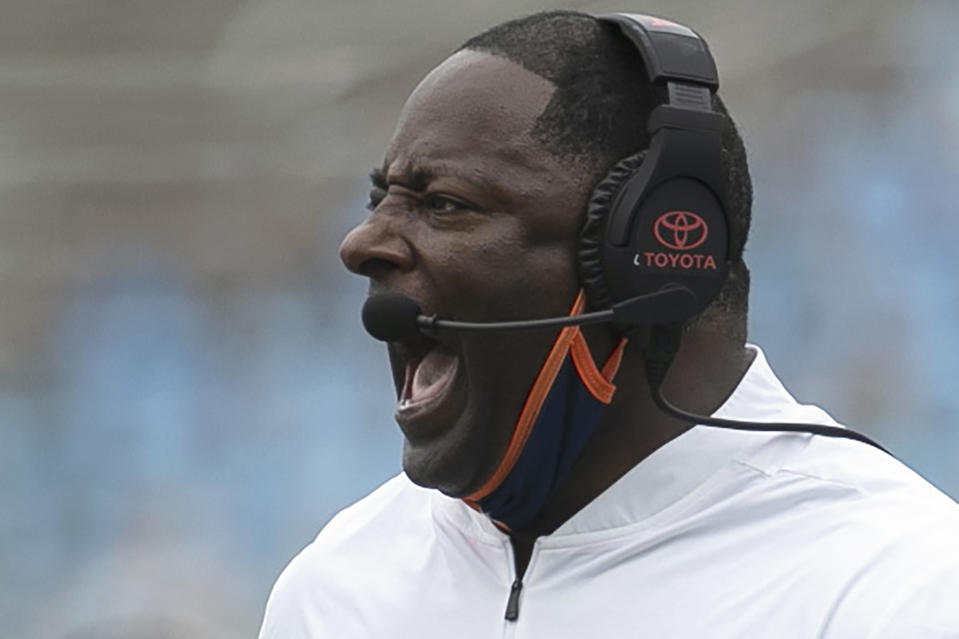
[{"x": 621, "y": 520}]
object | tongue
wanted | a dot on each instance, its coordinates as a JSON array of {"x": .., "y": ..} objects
[{"x": 432, "y": 373}]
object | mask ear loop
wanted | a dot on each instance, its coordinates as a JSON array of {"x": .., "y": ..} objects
[{"x": 598, "y": 382}]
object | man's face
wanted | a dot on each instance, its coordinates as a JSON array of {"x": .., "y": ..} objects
[{"x": 474, "y": 220}]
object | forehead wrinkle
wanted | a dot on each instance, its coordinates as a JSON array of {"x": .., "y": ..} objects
[{"x": 418, "y": 172}]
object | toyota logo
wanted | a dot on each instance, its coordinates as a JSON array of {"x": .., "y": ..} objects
[{"x": 680, "y": 230}]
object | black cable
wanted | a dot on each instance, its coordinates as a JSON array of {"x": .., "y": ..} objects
[
  {"x": 718, "y": 422},
  {"x": 659, "y": 353}
]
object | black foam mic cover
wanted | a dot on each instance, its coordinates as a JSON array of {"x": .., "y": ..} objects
[{"x": 390, "y": 316}]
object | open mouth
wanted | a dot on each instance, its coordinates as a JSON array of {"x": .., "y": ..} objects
[{"x": 429, "y": 369}]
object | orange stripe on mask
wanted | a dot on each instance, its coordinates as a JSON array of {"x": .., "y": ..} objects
[
  {"x": 598, "y": 383},
  {"x": 532, "y": 406}
]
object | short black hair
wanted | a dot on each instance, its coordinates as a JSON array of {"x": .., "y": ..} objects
[{"x": 597, "y": 115}]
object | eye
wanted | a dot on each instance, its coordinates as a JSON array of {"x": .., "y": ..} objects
[
  {"x": 376, "y": 196},
  {"x": 443, "y": 204}
]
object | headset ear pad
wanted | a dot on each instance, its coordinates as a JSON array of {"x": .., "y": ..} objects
[{"x": 601, "y": 200}]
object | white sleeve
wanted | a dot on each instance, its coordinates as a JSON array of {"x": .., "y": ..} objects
[
  {"x": 909, "y": 591},
  {"x": 925, "y": 610},
  {"x": 288, "y": 612}
]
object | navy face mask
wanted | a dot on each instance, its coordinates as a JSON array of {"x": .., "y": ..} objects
[{"x": 560, "y": 415}]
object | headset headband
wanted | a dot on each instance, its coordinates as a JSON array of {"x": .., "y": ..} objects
[{"x": 670, "y": 51}]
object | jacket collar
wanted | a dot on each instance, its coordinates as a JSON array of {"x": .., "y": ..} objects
[{"x": 677, "y": 469}]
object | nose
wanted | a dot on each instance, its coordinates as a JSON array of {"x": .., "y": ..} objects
[{"x": 374, "y": 248}]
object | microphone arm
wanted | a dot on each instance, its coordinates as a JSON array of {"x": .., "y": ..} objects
[
  {"x": 667, "y": 305},
  {"x": 432, "y": 322}
]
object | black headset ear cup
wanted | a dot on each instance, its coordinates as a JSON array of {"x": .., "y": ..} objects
[{"x": 601, "y": 200}]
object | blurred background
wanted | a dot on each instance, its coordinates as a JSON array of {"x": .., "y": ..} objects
[{"x": 186, "y": 394}]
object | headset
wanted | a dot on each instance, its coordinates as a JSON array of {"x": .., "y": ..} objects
[{"x": 658, "y": 219}]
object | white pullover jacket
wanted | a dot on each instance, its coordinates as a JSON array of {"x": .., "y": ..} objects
[{"x": 718, "y": 534}]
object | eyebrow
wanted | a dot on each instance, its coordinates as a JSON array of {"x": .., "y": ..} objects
[
  {"x": 418, "y": 178},
  {"x": 415, "y": 180},
  {"x": 378, "y": 178}
]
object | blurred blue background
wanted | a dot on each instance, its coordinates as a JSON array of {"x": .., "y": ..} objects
[{"x": 186, "y": 395}]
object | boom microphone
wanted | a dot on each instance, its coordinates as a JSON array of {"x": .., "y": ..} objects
[
  {"x": 390, "y": 317},
  {"x": 393, "y": 316}
]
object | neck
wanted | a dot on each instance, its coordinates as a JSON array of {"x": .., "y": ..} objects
[{"x": 705, "y": 372}]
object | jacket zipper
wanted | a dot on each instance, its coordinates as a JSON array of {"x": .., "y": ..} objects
[{"x": 512, "y": 604}]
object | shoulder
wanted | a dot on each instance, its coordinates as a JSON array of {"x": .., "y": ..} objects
[
  {"x": 910, "y": 583},
  {"x": 321, "y": 578},
  {"x": 395, "y": 507},
  {"x": 856, "y": 491},
  {"x": 876, "y": 485},
  {"x": 882, "y": 535}
]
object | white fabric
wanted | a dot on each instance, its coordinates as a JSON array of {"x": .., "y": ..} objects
[{"x": 717, "y": 534}]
